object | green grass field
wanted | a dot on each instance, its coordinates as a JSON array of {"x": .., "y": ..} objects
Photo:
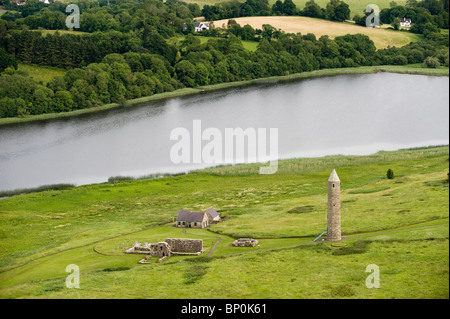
[
  {"x": 41, "y": 73},
  {"x": 75, "y": 32},
  {"x": 401, "y": 225},
  {"x": 248, "y": 45}
]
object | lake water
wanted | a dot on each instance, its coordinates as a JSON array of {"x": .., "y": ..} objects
[{"x": 346, "y": 114}]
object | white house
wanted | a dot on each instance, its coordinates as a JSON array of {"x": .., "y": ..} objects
[
  {"x": 201, "y": 26},
  {"x": 405, "y": 22}
]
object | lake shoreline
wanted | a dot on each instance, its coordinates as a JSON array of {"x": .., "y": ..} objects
[
  {"x": 190, "y": 91},
  {"x": 5, "y": 194}
]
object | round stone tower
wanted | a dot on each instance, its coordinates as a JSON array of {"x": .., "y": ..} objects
[{"x": 334, "y": 208}]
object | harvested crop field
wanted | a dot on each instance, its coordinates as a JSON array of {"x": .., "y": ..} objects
[{"x": 381, "y": 37}]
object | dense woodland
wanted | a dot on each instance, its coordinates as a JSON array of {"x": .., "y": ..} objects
[
  {"x": 139, "y": 48},
  {"x": 427, "y": 16}
]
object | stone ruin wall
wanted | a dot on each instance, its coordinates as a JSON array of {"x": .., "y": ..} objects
[
  {"x": 245, "y": 242},
  {"x": 161, "y": 249},
  {"x": 167, "y": 248},
  {"x": 185, "y": 245}
]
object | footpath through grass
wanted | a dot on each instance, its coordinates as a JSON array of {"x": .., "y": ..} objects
[{"x": 401, "y": 225}]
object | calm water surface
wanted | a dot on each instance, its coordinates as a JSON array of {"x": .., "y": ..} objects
[{"x": 347, "y": 114}]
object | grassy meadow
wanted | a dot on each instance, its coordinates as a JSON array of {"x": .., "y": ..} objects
[
  {"x": 248, "y": 45},
  {"x": 40, "y": 72},
  {"x": 401, "y": 225},
  {"x": 61, "y": 32}
]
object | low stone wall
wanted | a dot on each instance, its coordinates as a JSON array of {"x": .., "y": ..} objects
[
  {"x": 245, "y": 242},
  {"x": 139, "y": 249},
  {"x": 185, "y": 245}
]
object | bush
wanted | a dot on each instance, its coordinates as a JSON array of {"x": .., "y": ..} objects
[
  {"x": 400, "y": 60},
  {"x": 431, "y": 62},
  {"x": 390, "y": 174}
]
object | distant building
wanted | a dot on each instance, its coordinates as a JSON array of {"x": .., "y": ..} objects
[
  {"x": 213, "y": 216},
  {"x": 201, "y": 26},
  {"x": 405, "y": 22},
  {"x": 193, "y": 219}
]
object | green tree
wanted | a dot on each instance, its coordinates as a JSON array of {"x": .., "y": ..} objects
[
  {"x": 221, "y": 72},
  {"x": 432, "y": 62},
  {"x": 312, "y": 9},
  {"x": 185, "y": 72},
  {"x": 396, "y": 24},
  {"x": 248, "y": 33},
  {"x": 42, "y": 100},
  {"x": 337, "y": 10},
  {"x": 62, "y": 101},
  {"x": 267, "y": 31},
  {"x": 201, "y": 74},
  {"x": 6, "y": 60},
  {"x": 8, "y": 107},
  {"x": 195, "y": 9},
  {"x": 390, "y": 174},
  {"x": 278, "y": 8},
  {"x": 289, "y": 7},
  {"x": 430, "y": 28}
]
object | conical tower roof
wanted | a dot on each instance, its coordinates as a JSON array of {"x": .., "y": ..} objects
[{"x": 334, "y": 177}]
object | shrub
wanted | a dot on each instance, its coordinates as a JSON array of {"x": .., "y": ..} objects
[
  {"x": 400, "y": 60},
  {"x": 431, "y": 62},
  {"x": 390, "y": 174}
]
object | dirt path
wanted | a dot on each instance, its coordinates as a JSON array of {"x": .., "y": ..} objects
[{"x": 214, "y": 247}]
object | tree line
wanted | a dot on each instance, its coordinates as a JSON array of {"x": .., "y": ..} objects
[
  {"x": 72, "y": 50},
  {"x": 113, "y": 66},
  {"x": 427, "y": 16},
  {"x": 336, "y": 10}
]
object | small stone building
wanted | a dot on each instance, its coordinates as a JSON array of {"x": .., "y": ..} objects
[
  {"x": 168, "y": 247},
  {"x": 190, "y": 219},
  {"x": 213, "y": 216},
  {"x": 193, "y": 219}
]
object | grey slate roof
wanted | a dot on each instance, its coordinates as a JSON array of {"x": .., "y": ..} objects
[
  {"x": 188, "y": 216},
  {"x": 212, "y": 212}
]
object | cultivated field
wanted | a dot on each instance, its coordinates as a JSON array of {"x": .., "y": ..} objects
[
  {"x": 401, "y": 225},
  {"x": 381, "y": 37}
]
